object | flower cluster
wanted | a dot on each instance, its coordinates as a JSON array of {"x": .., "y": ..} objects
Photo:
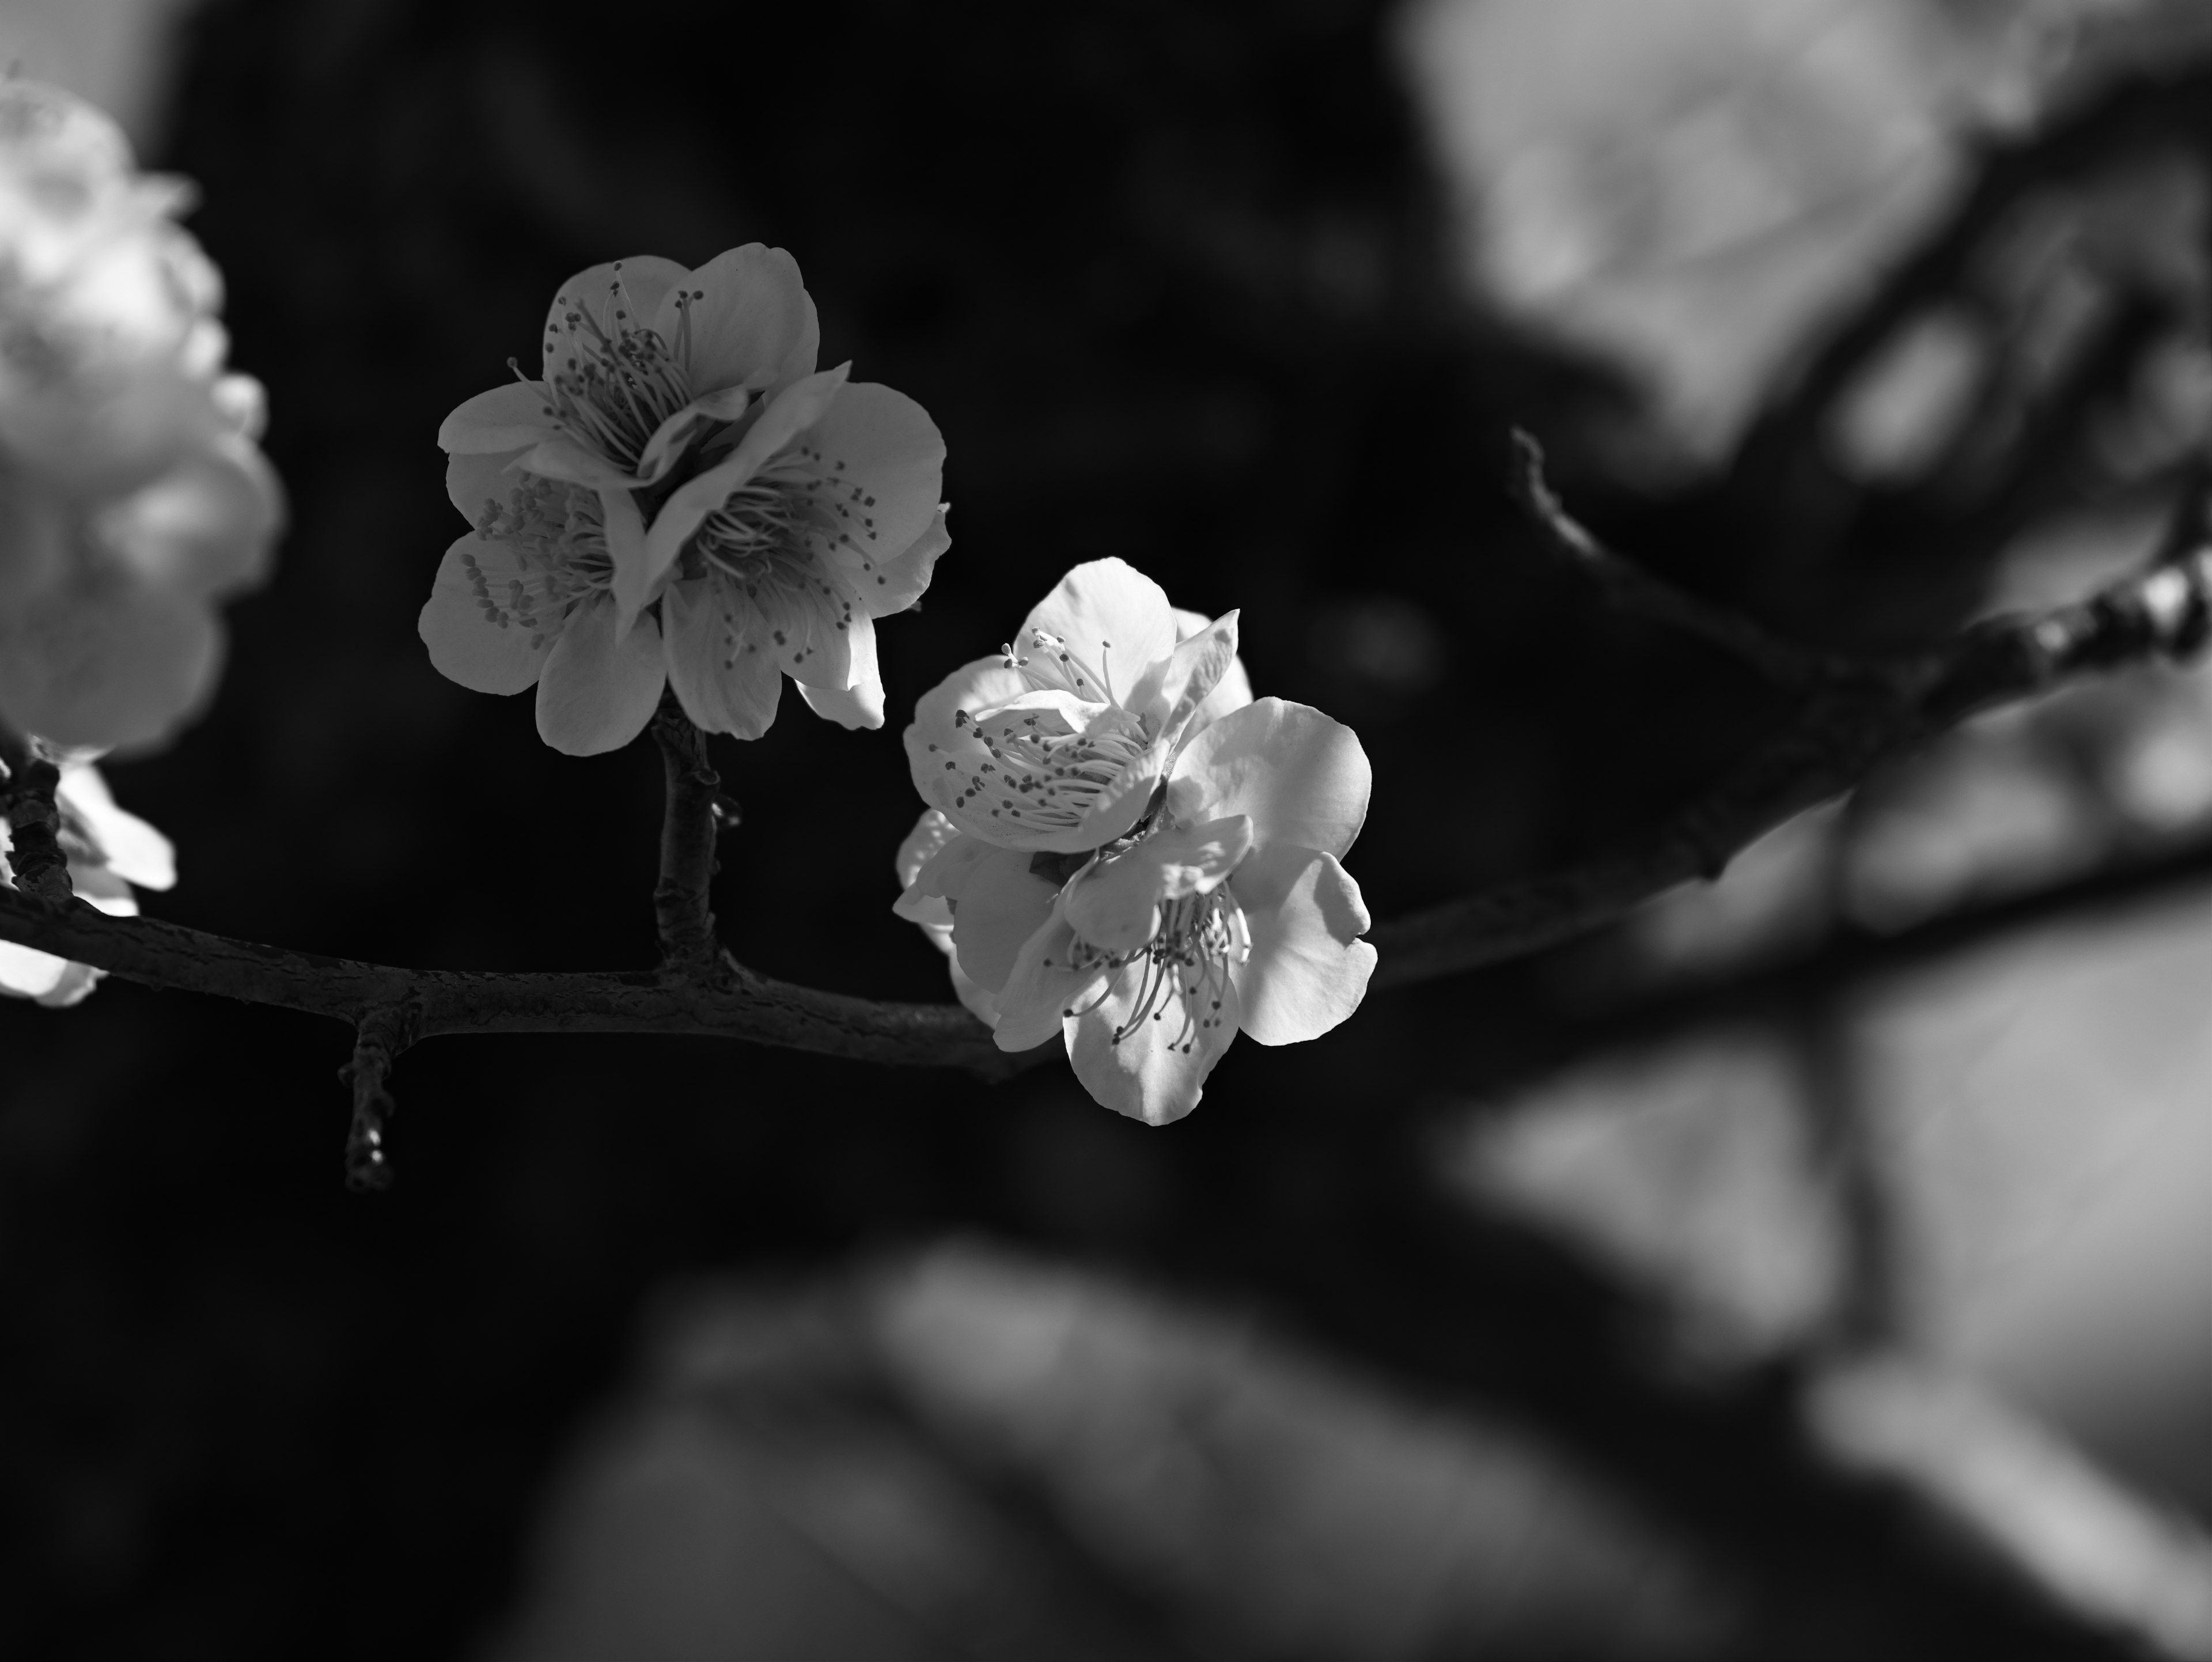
[
  {"x": 132, "y": 496},
  {"x": 1126, "y": 848},
  {"x": 682, "y": 500},
  {"x": 108, "y": 850}
]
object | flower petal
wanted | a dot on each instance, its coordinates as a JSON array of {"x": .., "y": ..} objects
[
  {"x": 1157, "y": 1071},
  {"x": 562, "y": 458},
  {"x": 861, "y": 704},
  {"x": 604, "y": 300},
  {"x": 751, "y": 322},
  {"x": 669, "y": 438},
  {"x": 883, "y": 460},
  {"x": 789, "y": 414},
  {"x": 1115, "y": 905},
  {"x": 511, "y": 416},
  {"x": 1303, "y": 777},
  {"x": 718, "y": 660},
  {"x": 933, "y": 836},
  {"x": 1308, "y": 969},
  {"x": 472, "y": 640},
  {"x": 26, "y": 973},
  {"x": 624, "y": 526},
  {"x": 600, "y": 687},
  {"x": 1172, "y": 690},
  {"x": 811, "y": 627},
  {"x": 130, "y": 848},
  {"x": 998, "y": 904},
  {"x": 1041, "y": 990},
  {"x": 1232, "y": 691},
  {"x": 203, "y": 527},
  {"x": 896, "y": 583},
  {"x": 475, "y": 484},
  {"x": 1113, "y": 618},
  {"x": 940, "y": 730},
  {"x": 105, "y": 661}
]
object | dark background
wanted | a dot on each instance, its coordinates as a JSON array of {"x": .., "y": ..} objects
[{"x": 1172, "y": 280}]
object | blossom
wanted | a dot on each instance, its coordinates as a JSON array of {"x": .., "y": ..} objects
[
  {"x": 1059, "y": 743},
  {"x": 109, "y": 850},
  {"x": 132, "y": 495},
  {"x": 682, "y": 500},
  {"x": 1222, "y": 906}
]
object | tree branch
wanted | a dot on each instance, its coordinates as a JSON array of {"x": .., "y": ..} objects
[
  {"x": 1854, "y": 716},
  {"x": 738, "y": 1005}
]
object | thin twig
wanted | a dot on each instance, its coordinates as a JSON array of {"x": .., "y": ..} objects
[
  {"x": 1632, "y": 590},
  {"x": 687, "y": 827},
  {"x": 383, "y": 1033},
  {"x": 36, "y": 860}
]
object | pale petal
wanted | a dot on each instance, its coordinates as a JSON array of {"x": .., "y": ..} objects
[
  {"x": 933, "y": 834},
  {"x": 128, "y": 846},
  {"x": 1308, "y": 969},
  {"x": 625, "y": 531},
  {"x": 622, "y": 293},
  {"x": 511, "y": 417},
  {"x": 472, "y": 640},
  {"x": 1156, "y": 1073},
  {"x": 811, "y": 627},
  {"x": 38, "y": 532},
  {"x": 600, "y": 687},
  {"x": 1302, "y": 778},
  {"x": 669, "y": 438},
  {"x": 938, "y": 743},
  {"x": 106, "y": 661},
  {"x": 1041, "y": 990},
  {"x": 1116, "y": 904},
  {"x": 563, "y": 458},
  {"x": 1232, "y": 691},
  {"x": 999, "y": 905},
  {"x": 1171, "y": 690},
  {"x": 861, "y": 704},
  {"x": 751, "y": 322},
  {"x": 206, "y": 527},
  {"x": 882, "y": 460},
  {"x": 981, "y": 1003},
  {"x": 1113, "y": 618},
  {"x": 726, "y": 678},
  {"x": 475, "y": 484},
  {"x": 789, "y": 413},
  {"x": 26, "y": 973},
  {"x": 896, "y": 583}
]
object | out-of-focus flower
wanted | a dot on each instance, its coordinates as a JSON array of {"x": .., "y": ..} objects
[
  {"x": 132, "y": 495},
  {"x": 1693, "y": 186},
  {"x": 1218, "y": 903},
  {"x": 682, "y": 500},
  {"x": 109, "y": 850},
  {"x": 1059, "y": 743}
]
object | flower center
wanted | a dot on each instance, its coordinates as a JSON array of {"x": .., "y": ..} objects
[
  {"x": 615, "y": 390},
  {"x": 1186, "y": 964},
  {"x": 559, "y": 542},
  {"x": 1040, "y": 776},
  {"x": 1055, "y": 667},
  {"x": 760, "y": 534}
]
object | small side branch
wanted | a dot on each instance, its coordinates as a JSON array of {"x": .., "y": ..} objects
[
  {"x": 1632, "y": 590},
  {"x": 690, "y": 821},
  {"x": 382, "y": 1034},
  {"x": 35, "y": 855}
]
